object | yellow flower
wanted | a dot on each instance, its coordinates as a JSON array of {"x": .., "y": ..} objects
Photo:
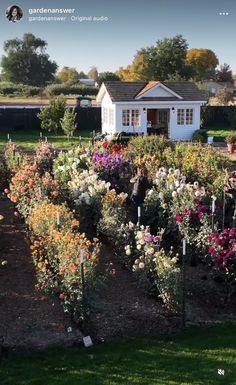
[
  {"x": 1, "y": 217},
  {"x": 40, "y": 265}
]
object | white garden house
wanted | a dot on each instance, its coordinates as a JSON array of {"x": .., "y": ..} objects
[{"x": 169, "y": 108}]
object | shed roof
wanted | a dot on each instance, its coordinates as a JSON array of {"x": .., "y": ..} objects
[{"x": 129, "y": 91}]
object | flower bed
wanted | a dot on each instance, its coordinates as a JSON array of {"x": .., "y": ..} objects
[{"x": 179, "y": 205}]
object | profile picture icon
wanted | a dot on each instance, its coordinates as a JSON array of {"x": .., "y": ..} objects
[{"x": 14, "y": 13}]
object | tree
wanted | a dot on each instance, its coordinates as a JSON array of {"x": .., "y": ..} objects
[
  {"x": 26, "y": 61},
  {"x": 202, "y": 62},
  {"x": 124, "y": 73},
  {"x": 159, "y": 62},
  {"x": 223, "y": 97},
  {"x": 51, "y": 116},
  {"x": 68, "y": 75},
  {"x": 82, "y": 75},
  {"x": 105, "y": 76},
  {"x": 68, "y": 122},
  {"x": 224, "y": 74},
  {"x": 93, "y": 73}
]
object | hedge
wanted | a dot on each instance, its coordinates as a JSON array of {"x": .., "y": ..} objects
[
  {"x": 58, "y": 89},
  {"x": 215, "y": 115}
]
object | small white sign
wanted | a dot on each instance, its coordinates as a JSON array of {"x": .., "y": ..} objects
[
  {"x": 87, "y": 341},
  {"x": 81, "y": 256}
]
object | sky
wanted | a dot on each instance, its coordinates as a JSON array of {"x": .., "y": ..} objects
[{"x": 127, "y": 26}]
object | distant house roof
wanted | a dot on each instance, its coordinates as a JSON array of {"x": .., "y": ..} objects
[
  {"x": 133, "y": 91},
  {"x": 88, "y": 82}
]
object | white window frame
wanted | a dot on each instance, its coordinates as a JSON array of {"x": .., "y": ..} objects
[
  {"x": 180, "y": 116},
  {"x": 105, "y": 115},
  {"x": 131, "y": 118},
  {"x": 111, "y": 117},
  {"x": 185, "y": 116},
  {"x": 189, "y": 116},
  {"x": 126, "y": 118}
]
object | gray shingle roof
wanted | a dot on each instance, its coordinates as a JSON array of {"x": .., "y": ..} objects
[{"x": 126, "y": 91}]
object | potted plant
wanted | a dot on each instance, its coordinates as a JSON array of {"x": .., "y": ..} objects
[{"x": 231, "y": 141}]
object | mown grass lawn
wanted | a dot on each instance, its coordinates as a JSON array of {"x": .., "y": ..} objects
[
  {"x": 29, "y": 139},
  {"x": 220, "y": 133},
  {"x": 190, "y": 358}
]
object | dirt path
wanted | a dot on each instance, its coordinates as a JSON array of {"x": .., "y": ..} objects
[
  {"x": 27, "y": 317},
  {"x": 124, "y": 309}
]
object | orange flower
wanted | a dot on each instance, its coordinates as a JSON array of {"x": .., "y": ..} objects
[{"x": 72, "y": 267}]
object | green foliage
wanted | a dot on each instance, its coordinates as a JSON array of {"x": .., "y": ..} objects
[
  {"x": 58, "y": 89},
  {"x": 107, "y": 76},
  {"x": 8, "y": 89},
  {"x": 148, "y": 145},
  {"x": 68, "y": 75},
  {"x": 52, "y": 115},
  {"x": 202, "y": 61},
  {"x": 26, "y": 61},
  {"x": 200, "y": 136},
  {"x": 68, "y": 123},
  {"x": 161, "y": 61}
]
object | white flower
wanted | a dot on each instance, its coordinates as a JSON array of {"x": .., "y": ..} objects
[
  {"x": 161, "y": 195},
  {"x": 171, "y": 171},
  {"x": 139, "y": 247},
  {"x": 195, "y": 185},
  {"x": 141, "y": 265},
  {"x": 177, "y": 184},
  {"x": 171, "y": 187},
  {"x": 136, "y": 262},
  {"x": 179, "y": 190},
  {"x": 197, "y": 193},
  {"x": 174, "y": 194},
  {"x": 128, "y": 252},
  {"x": 177, "y": 173}
]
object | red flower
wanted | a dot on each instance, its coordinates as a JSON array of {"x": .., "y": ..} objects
[
  {"x": 62, "y": 296},
  {"x": 72, "y": 267}
]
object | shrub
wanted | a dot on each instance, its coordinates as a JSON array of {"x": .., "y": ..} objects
[
  {"x": 67, "y": 163},
  {"x": 56, "y": 255},
  {"x": 200, "y": 136},
  {"x": 27, "y": 188},
  {"x": 68, "y": 122},
  {"x": 63, "y": 89},
  {"x": 148, "y": 145},
  {"x": 113, "y": 168},
  {"x": 43, "y": 220},
  {"x": 86, "y": 190},
  {"x": 45, "y": 154},
  {"x": 223, "y": 254},
  {"x": 156, "y": 270},
  {"x": 8, "y": 88},
  {"x": 51, "y": 116},
  {"x": 13, "y": 156},
  {"x": 113, "y": 215}
]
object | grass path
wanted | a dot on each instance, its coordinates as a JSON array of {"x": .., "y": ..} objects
[
  {"x": 191, "y": 358},
  {"x": 30, "y": 139}
]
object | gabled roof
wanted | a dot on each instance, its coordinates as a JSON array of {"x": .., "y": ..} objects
[{"x": 129, "y": 91}]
